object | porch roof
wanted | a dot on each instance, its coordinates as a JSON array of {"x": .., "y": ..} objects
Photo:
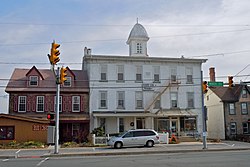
[{"x": 162, "y": 112}]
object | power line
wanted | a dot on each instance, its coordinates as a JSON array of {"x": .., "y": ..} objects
[
  {"x": 109, "y": 40},
  {"x": 123, "y": 25}
]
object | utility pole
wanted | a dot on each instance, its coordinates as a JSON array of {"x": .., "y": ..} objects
[{"x": 204, "y": 133}]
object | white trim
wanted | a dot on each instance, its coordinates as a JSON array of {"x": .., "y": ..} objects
[
  {"x": 77, "y": 102},
  {"x": 19, "y": 98},
  {"x": 37, "y": 103}
]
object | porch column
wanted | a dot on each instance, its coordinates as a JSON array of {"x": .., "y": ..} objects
[
  {"x": 95, "y": 122},
  {"x": 178, "y": 126},
  {"x": 117, "y": 124},
  {"x": 135, "y": 123}
]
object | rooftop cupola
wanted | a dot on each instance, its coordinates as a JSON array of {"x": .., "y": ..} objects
[{"x": 137, "y": 41}]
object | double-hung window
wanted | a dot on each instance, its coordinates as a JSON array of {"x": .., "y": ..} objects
[
  {"x": 174, "y": 99},
  {"x": 103, "y": 99},
  {"x": 121, "y": 99},
  {"x": 75, "y": 103},
  {"x": 189, "y": 73},
  {"x": 157, "y": 104},
  {"x": 244, "y": 110},
  {"x": 231, "y": 109},
  {"x": 173, "y": 74},
  {"x": 190, "y": 99},
  {"x": 120, "y": 73},
  {"x": 103, "y": 72},
  {"x": 22, "y": 104},
  {"x": 156, "y": 73},
  {"x": 40, "y": 104},
  {"x": 139, "y": 99},
  {"x": 138, "y": 73},
  {"x": 33, "y": 81}
]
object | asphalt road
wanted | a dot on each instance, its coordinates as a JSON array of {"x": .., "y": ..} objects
[
  {"x": 160, "y": 148},
  {"x": 192, "y": 159}
]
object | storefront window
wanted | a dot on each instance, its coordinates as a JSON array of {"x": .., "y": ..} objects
[{"x": 162, "y": 125}]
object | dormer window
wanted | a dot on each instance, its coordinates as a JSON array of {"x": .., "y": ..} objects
[
  {"x": 244, "y": 93},
  {"x": 67, "y": 83},
  {"x": 33, "y": 80}
]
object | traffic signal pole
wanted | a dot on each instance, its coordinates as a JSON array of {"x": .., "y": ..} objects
[
  {"x": 60, "y": 76},
  {"x": 204, "y": 133},
  {"x": 57, "y": 111}
]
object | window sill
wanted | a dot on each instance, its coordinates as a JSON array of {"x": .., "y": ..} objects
[
  {"x": 103, "y": 80},
  {"x": 120, "y": 81},
  {"x": 103, "y": 107},
  {"x": 189, "y": 82},
  {"x": 121, "y": 108}
]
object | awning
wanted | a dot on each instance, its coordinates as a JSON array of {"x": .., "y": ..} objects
[{"x": 175, "y": 112}]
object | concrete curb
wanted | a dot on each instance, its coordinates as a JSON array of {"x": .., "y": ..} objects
[{"x": 138, "y": 153}]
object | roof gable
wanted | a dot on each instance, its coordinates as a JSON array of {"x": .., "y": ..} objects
[
  {"x": 227, "y": 94},
  {"x": 36, "y": 70}
]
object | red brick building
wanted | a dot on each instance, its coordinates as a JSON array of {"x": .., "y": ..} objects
[{"x": 32, "y": 93}]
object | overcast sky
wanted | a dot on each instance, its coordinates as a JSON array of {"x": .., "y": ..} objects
[{"x": 218, "y": 30}]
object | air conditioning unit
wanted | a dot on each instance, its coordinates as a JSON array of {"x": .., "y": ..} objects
[{"x": 147, "y": 86}]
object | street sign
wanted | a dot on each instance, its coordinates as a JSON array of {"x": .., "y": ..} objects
[{"x": 215, "y": 83}]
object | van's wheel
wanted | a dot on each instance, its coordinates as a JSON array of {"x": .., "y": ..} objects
[
  {"x": 150, "y": 143},
  {"x": 118, "y": 145}
]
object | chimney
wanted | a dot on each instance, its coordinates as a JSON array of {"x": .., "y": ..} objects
[
  {"x": 212, "y": 74},
  {"x": 87, "y": 51}
]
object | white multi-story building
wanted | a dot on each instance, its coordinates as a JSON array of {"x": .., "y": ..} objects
[{"x": 139, "y": 91}]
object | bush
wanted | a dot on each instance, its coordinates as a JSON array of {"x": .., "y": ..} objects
[
  {"x": 69, "y": 144},
  {"x": 33, "y": 144},
  {"x": 98, "y": 131}
]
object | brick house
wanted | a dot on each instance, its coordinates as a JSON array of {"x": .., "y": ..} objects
[
  {"x": 228, "y": 110},
  {"x": 32, "y": 93}
]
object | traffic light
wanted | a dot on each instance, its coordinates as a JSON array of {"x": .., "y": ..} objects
[
  {"x": 50, "y": 116},
  {"x": 54, "y": 54},
  {"x": 230, "y": 81},
  {"x": 63, "y": 75},
  {"x": 204, "y": 86}
]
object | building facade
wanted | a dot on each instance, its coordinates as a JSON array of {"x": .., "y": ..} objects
[
  {"x": 32, "y": 93},
  {"x": 228, "y": 112},
  {"x": 139, "y": 91},
  {"x": 22, "y": 129}
]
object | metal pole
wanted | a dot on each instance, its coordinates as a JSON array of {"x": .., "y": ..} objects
[
  {"x": 57, "y": 110},
  {"x": 204, "y": 134}
]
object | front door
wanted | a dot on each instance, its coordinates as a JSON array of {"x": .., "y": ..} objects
[{"x": 174, "y": 127}]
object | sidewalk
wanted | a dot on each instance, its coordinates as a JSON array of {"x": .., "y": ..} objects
[{"x": 104, "y": 151}]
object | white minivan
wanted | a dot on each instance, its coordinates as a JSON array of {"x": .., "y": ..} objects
[{"x": 137, "y": 137}]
